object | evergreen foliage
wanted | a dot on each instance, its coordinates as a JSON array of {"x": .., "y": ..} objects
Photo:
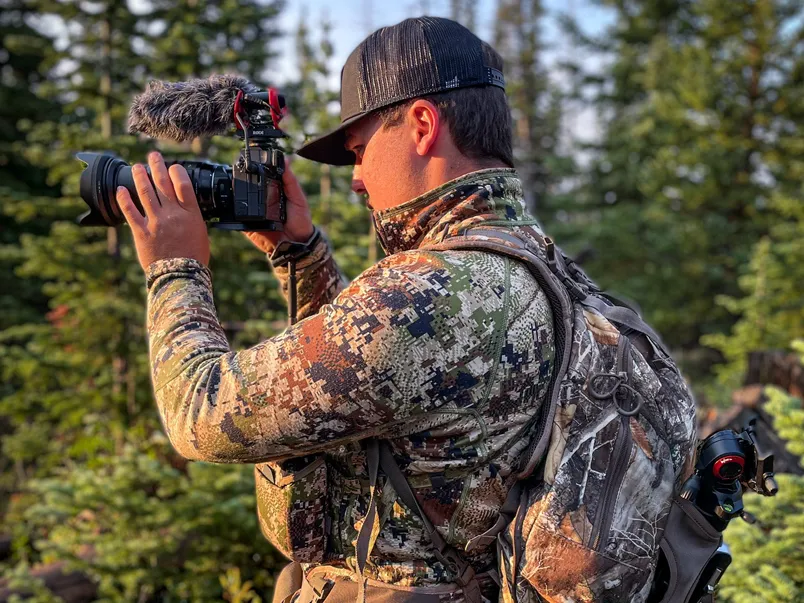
[
  {"x": 771, "y": 310},
  {"x": 22, "y": 53},
  {"x": 768, "y": 557},
  {"x": 342, "y": 216},
  {"x": 691, "y": 204},
  {"x": 702, "y": 111},
  {"x": 535, "y": 105},
  {"x": 191, "y": 38},
  {"x": 146, "y": 530},
  {"x": 768, "y": 560},
  {"x": 96, "y": 484}
]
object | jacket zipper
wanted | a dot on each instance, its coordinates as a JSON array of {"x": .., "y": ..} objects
[{"x": 621, "y": 456}]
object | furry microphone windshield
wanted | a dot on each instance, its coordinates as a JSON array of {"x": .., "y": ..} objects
[{"x": 183, "y": 110}]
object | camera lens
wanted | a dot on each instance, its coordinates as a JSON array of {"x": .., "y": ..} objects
[
  {"x": 97, "y": 187},
  {"x": 103, "y": 173}
]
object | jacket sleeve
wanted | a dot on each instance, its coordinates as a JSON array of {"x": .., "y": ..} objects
[
  {"x": 318, "y": 278},
  {"x": 393, "y": 346}
]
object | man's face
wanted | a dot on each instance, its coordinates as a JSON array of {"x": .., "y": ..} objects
[{"x": 385, "y": 163}]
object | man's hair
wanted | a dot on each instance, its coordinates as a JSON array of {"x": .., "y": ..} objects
[{"x": 478, "y": 118}]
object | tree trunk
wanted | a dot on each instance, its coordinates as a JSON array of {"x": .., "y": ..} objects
[
  {"x": 200, "y": 146},
  {"x": 5, "y": 546},
  {"x": 778, "y": 368},
  {"x": 72, "y": 587},
  {"x": 106, "y": 78},
  {"x": 120, "y": 367}
]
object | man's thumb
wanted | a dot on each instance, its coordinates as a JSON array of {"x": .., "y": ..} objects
[{"x": 293, "y": 189}]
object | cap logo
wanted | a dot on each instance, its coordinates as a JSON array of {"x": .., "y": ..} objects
[
  {"x": 496, "y": 77},
  {"x": 453, "y": 83}
]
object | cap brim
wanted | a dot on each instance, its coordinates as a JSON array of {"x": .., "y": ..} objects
[{"x": 330, "y": 148}]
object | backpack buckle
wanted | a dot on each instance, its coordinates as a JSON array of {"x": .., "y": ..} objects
[
  {"x": 462, "y": 570},
  {"x": 550, "y": 252},
  {"x": 575, "y": 290},
  {"x": 560, "y": 270},
  {"x": 448, "y": 560}
]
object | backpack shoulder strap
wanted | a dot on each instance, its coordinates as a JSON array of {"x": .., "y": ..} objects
[
  {"x": 508, "y": 244},
  {"x": 553, "y": 261},
  {"x": 563, "y": 284}
]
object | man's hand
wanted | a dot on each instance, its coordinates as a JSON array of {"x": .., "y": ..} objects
[
  {"x": 299, "y": 225},
  {"x": 172, "y": 226}
]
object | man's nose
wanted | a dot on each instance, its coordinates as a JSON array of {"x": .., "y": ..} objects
[{"x": 357, "y": 182}]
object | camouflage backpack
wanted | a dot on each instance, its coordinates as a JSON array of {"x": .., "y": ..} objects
[{"x": 609, "y": 450}]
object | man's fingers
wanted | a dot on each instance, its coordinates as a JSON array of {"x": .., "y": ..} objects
[
  {"x": 183, "y": 187},
  {"x": 145, "y": 191},
  {"x": 293, "y": 190},
  {"x": 133, "y": 216},
  {"x": 159, "y": 174}
]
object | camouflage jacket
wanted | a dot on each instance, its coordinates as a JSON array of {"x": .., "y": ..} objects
[{"x": 445, "y": 354}]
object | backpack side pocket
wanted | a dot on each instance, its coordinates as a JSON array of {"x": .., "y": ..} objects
[
  {"x": 689, "y": 543},
  {"x": 291, "y": 496}
]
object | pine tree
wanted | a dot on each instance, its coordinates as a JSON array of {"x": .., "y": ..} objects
[
  {"x": 343, "y": 218},
  {"x": 22, "y": 53},
  {"x": 700, "y": 111},
  {"x": 535, "y": 103},
  {"x": 771, "y": 311},
  {"x": 86, "y": 342},
  {"x": 191, "y": 38},
  {"x": 768, "y": 559},
  {"x": 87, "y": 445},
  {"x": 768, "y": 563}
]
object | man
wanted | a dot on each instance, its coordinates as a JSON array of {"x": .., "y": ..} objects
[{"x": 447, "y": 355}]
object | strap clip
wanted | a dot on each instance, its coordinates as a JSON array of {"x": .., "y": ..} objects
[{"x": 550, "y": 252}]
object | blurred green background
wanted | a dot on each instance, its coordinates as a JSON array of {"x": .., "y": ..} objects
[{"x": 683, "y": 192}]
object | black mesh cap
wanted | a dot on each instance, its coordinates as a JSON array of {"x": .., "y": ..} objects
[{"x": 413, "y": 58}]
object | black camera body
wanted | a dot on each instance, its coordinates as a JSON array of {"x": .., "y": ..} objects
[{"x": 247, "y": 195}]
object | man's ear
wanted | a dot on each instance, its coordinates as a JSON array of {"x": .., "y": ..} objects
[{"x": 426, "y": 125}]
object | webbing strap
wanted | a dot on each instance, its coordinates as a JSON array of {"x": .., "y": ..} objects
[
  {"x": 626, "y": 317},
  {"x": 370, "y": 529},
  {"x": 404, "y": 491},
  {"x": 454, "y": 561},
  {"x": 562, "y": 315}
]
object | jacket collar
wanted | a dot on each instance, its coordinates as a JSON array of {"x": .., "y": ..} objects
[{"x": 490, "y": 194}]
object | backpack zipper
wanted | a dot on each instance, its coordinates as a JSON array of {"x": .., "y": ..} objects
[
  {"x": 622, "y": 449},
  {"x": 621, "y": 455}
]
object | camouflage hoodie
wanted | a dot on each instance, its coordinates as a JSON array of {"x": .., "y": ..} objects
[{"x": 446, "y": 354}]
